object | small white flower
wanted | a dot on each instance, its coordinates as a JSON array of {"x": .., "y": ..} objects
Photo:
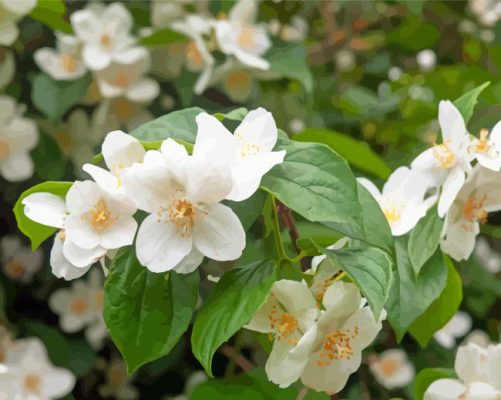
[
  {"x": 31, "y": 376},
  {"x": 394, "y": 73},
  {"x": 248, "y": 153},
  {"x": 10, "y": 12},
  {"x": 345, "y": 60},
  {"x": 458, "y": 326},
  {"x": 118, "y": 382},
  {"x": 296, "y": 31},
  {"x": 426, "y": 59},
  {"x": 105, "y": 33},
  {"x": 480, "y": 195},
  {"x": 487, "y": 148},
  {"x": 487, "y": 11},
  {"x": 489, "y": 258},
  {"x": 18, "y": 261},
  {"x": 478, "y": 337},
  {"x": 402, "y": 199},
  {"x": 65, "y": 62},
  {"x": 18, "y": 136},
  {"x": 7, "y": 67},
  {"x": 479, "y": 372},
  {"x": 392, "y": 369},
  {"x": 241, "y": 37},
  {"x": 446, "y": 164}
]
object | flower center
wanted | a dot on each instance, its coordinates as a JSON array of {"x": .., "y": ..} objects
[
  {"x": 14, "y": 269},
  {"x": 116, "y": 376},
  {"x": 283, "y": 326},
  {"x": 182, "y": 214},
  {"x": 64, "y": 140},
  {"x": 337, "y": 346},
  {"x": 247, "y": 149},
  {"x": 62, "y": 235},
  {"x": 4, "y": 150},
  {"x": 473, "y": 210},
  {"x": 122, "y": 79},
  {"x": 444, "y": 155},
  {"x": 100, "y": 216},
  {"x": 68, "y": 63},
  {"x": 389, "y": 367},
  {"x": 105, "y": 41},
  {"x": 78, "y": 306},
  {"x": 99, "y": 300},
  {"x": 481, "y": 145},
  {"x": 32, "y": 383},
  {"x": 194, "y": 55},
  {"x": 247, "y": 37}
]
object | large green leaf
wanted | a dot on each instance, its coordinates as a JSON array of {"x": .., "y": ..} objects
[
  {"x": 370, "y": 268},
  {"x": 52, "y": 14},
  {"x": 290, "y": 61},
  {"x": 357, "y": 153},
  {"x": 248, "y": 210},
  {"x": 409, "y": 297},
  {"x": 177, "y": 125},
  {"x": 441, "y": 310},
  {"x": 54, "y": 98},
  {"x": 50, "y": 162},
  {"x": 37, "y": 233},
  {"x": 426, "y": 377},
  {"x": 232, "y": 303},
  {"x": 466, "y": 103},
  {"x": 146, "y": 313},
  {"x": 424, "y": 239},
  {"x": 162, "y": 37}
]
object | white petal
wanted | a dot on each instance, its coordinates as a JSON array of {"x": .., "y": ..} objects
[
  {"x": 121, "y": 150},
  {"x": 244, "y": 11},
  {"x": 451, "y": 122},
  {"x": 79, "y": 257},
  {"x": 57, "y": 382},
  {"x": 82, "y": 196},
  {"x": 260, "y": 321},
  {"x": 341, "y": 299},
  {"x": 459, "y": 240},
  {"x": 470, "y": 364},
  {"x": 219, "y": 234},
  {"x": 410, "y": 216},
  {"x": 258, "y": 127},
  {"x": 252, "y": 60},
  {"x": 95, "y": 58},
  {"x": 8, "y": 33},
  {"x": 45, "y": 208},
  {"x": 61, "y": 267},
  {"x": 79, "y": 231},
  {"x": 424, "y": 160},
  {"x": 494, "y": 365},
  {"x": 107, "y": 180},
  {"x": 190, "y": 263},
  {"x": 487, "y": 161},
  {"x": 120, "y": 234},
  {"x": 85, "y": 24},
  {"x": 16, "y": 168},
  {"x": 143, "y": 90},
  {"x": 174, "y": 153},
  {"x": 445, "y": 389},
  {"x": 373, "y": 190},
  {"x": 22, "y": 7},
  {"x": 445, "y": 340},
  {"x": 452, "y": 185}
]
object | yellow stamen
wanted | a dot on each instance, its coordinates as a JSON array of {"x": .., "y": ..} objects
[
  {"x": 122, "y": 79},
  {"x": 105, "y": 41},
  {"x": 337, "y": 346},
  {"x": 182, "y": 214},
  {"x": 444, "y": 155},
  {"x": 68, "y": 63},
  {"x": 389, "y": 367},
  {"x": 32, "y": 383},
  {"x": 78, "y": 306},
  {"x": 100, "y": 216},
  {"x": 194, "y": 55},
  {"x": 481, "y": 145},
  {"x": 247, "y": 37},
  {"x": 4, "y": 150},
  {"x": 473, "y": 210},
  {"x": 283, "y": 327},
  {"x": 14, "y": 269},
  {"x": 247, "y": 149}
]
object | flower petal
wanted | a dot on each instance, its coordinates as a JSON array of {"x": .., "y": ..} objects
[
  {"x": 450, "y": 189},
  {"x": 79, "y": 257},
  {"x": 444, "y": 389},
  {"x": 61, "y": 267},
  {"x": 258, "y": 127},
  {"x": 45, "y": 208},
  {"x": 451, "y": 122}
]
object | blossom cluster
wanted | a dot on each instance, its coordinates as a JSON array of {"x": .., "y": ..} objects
[{"x": 461, "y": 176}]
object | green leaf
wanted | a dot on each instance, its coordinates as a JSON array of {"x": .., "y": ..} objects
[
  {"x": 248, "y": 210},
  {"x": 357, "y": 153},
  {"x": 290, "y": 61},
  {"x": 235, "y": 115},
  {"x": 426, "y": 377},
  {"x": 409, "y": 297},
  {"x": 370, "y": 269},
  {"x": 50, "y": 162},
  {"x": 145, "y": 312},
  {"x": 162, "y": 37},
  {"x": 177, "y": 125},
  {"x": 466, "y": 103},
  {"x": 231, "y": 304},
  {"x": 37, "y": 233},
  {"x": 315, "y": 182},
  {"x": 441, "y": 310},
  {"x": 54, "y": 98},
  {"x": 424, "y": 239},
  {"x": 52, "y": 14}
]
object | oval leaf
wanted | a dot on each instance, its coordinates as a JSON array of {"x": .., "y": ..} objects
[{"x": 427, "y": 376}]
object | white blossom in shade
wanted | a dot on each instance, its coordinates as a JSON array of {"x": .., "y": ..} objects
[
  {"x": 31, "y": 376},
  {"x": 480, "y": 195},
  {"x": 118, "y": 382},
  {"x": 125, "y": 77},
  {"x": 426, "y": 60},
  {"x": 479, "y": 372},
  {"x": 345, "y": 328},
  {"x": 7, "y": 67},
  {"x": 248, "y": 153},
  {"x": 104, "y": 32},
  {"x": 392, "y": 369},
  {"x": 402, "y": 199},
  {"x": 18, "y": 136},
  {"x": 345, "y": 59},
  {"x": 242, "y": 37},
  {"x": 488, "y": 12},
  {"x": 18, "y": 261},
  {"x": 288, "y": 316},
  {"x": 10, "y": 12},
  {"x": 295, "y": 31},
  {"x": 458, "y": 326},
  {"x": 478, "y": 337},
  {"x": 446, "y": 164},
  {"x": 63, "y": 63},
  {"x": 182, "y": 193},
  {"x": 394, "y": 73},
  {"x": 488, "y": 258},
  {"x": 486, "y": 149}
]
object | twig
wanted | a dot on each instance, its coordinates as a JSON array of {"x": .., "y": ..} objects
[
  {"x": 302, "y": 393},
  {"x": 237, "y": 358}
]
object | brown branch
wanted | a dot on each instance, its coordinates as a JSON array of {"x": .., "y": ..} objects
[{"x": 236, "y": 357}]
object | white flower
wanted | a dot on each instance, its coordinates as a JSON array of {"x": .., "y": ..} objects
[
  {"x": 248, "y": 153},
  {"x": 241, "y": 37},
  {"x": 182, "y": 193},
  {"x": 479, "y": 372},
  {"x": 402, "y": 199},
  {"x": 459, "y": 325},
  {"x": 124, "y": 76},
  {"x": 18, "y": 136},
  {"x": 118, "y": 382},
  {"x": 478, "y": 337},
  {"x": 446, "y": 164},
  {"x": 488, "y": 11},
  {"x": 7, "y": 67},
  {"x": 345, "y": 328},
  {"x": 489, "y": 258},
  {"x": 487, "y": 148},
  {"x": 392, "y": 369},
  {"x": 64, "y": 63},
  {"x": 480, "y": 195},
  {"x": 426, "y": 59},
  {"x": 296, "y": 31},
  {"x": 105, "y": 33},
  {"x": 288, "y": 316},
  {"x": 31, "y": 376},
  {"x": 10, "y": 12},
  {"x": 18, "y": 261}
]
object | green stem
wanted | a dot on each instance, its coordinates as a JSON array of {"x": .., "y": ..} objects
[{"x": 279, "y": 245}]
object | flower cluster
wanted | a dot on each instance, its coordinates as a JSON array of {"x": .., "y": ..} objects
[
  {"x": 180, "y": 193},
  {"x": 461, "y": 174}
]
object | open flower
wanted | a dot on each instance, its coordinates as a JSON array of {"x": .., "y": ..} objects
[
  {"x": 105, "y": 33},
  {"x": 65, "y": 62},
  {"x": 18, "y": 261},
  {"x": 487, "y": 148},
  {"x": 288, "y": 316},
  {"x": 118, "y": 383},
  {"x": 31, "y": 376},
  {"x": 480, "y": 195},
  {"x": 248, "y": 153},
  {"x": 478, "y": 370},
  {"x": 446, "y": 164},
  {"x": 392, "y": 369},
  {"x": 182, "y": 193},
  {"x": 458, "y": 326},
  {"x": 240, "y": 36},
  {"x": 402, "y": 199},
  {"x": 18, "y": 136},
  {"x": 10, "y": 12}
]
